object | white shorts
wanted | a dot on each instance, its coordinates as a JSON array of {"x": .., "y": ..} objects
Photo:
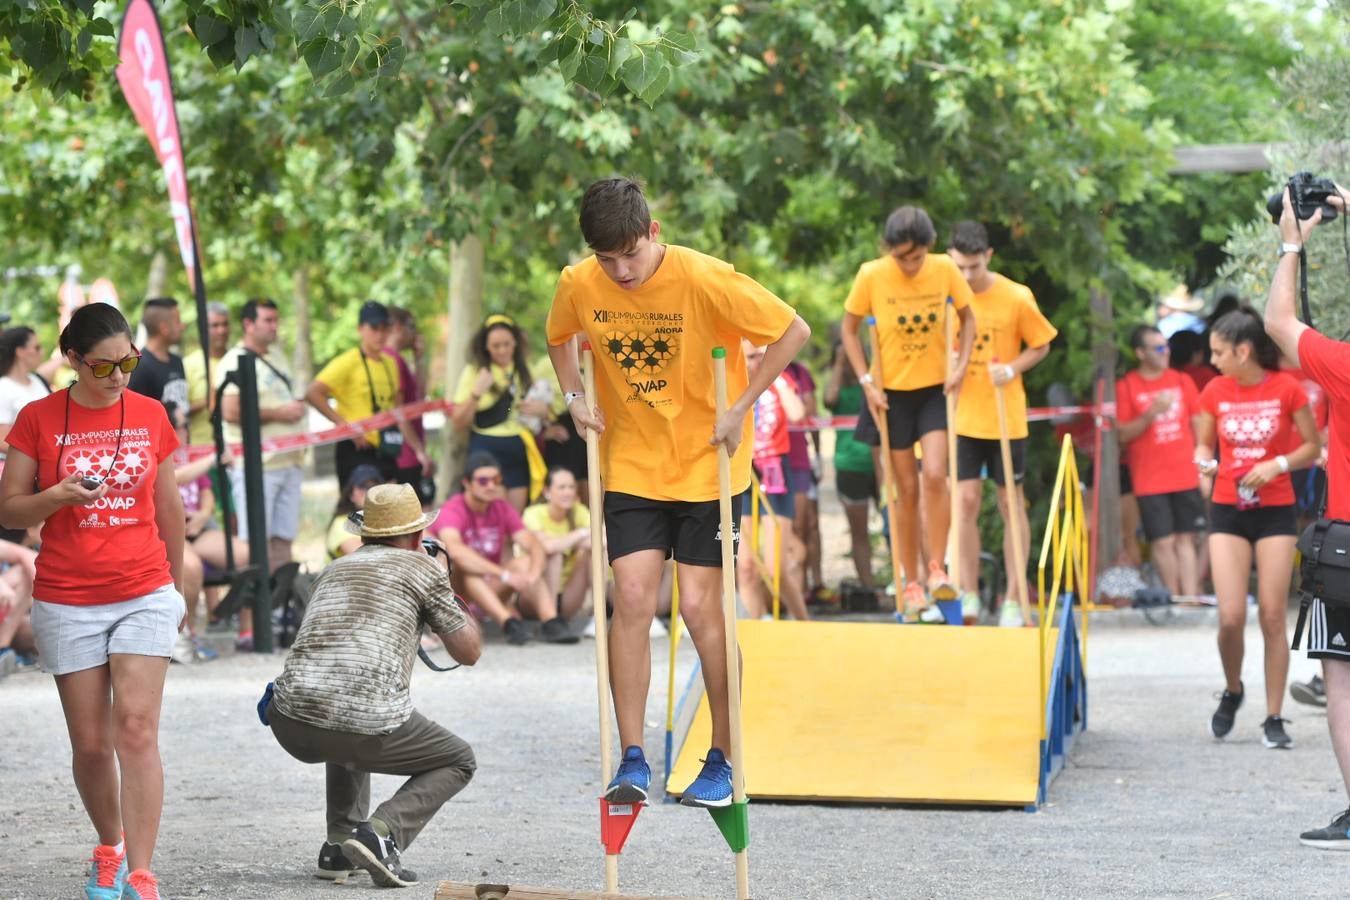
[
  {"x": 281, "y": 501},
  {"x": 73, "y": 638}
]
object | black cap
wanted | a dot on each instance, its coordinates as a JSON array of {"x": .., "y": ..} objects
[{"x": 373, "y": 312}]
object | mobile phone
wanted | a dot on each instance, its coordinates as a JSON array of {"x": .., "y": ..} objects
[{"x": 90, "y": 482}]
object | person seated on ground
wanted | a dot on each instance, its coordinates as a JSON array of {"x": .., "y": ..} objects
[
  {"x": 479, "y": 528},
  {"x": 774, "y": 410},
  {"x": 340, "y": 540},
  {"x": 563, "y": 527},
  {"x": 16, "y": 600},
  {"x": 342, "y": 697}
]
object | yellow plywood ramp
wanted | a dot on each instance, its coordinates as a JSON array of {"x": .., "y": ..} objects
[{"x": 865, "y": 712}]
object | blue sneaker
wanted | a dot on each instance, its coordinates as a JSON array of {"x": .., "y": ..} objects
[
  {"x": 712, "y": 788},
  {"x": 107, "y": 874},
  {"x": 631, "y": 782}
]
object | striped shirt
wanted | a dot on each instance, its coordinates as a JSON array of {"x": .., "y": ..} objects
[{"x": 351, "y": 664}]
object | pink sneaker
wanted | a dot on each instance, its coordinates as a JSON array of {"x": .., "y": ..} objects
[{"x": 141, "y": 885}]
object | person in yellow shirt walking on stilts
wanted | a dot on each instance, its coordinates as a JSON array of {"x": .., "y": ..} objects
[
  {"x": 908, "y": 290},
  {"x": 653, "y": 313},
  {"x": 1013, "y": 336}
]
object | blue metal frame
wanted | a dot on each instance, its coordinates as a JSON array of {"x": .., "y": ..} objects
[{"x": 1066, "y": 711}]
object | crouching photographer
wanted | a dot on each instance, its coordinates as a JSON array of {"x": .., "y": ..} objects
[
  {"x": 1305, "y": 203},
  {"x": 343, "y": 699}
]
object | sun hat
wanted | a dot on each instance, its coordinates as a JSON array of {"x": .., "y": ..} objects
[
  {"x": 1181, "y": 300},
  {"x": 391, "y": 510}
]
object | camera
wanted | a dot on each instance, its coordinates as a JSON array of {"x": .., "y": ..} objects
[
  {"x": 90, "y": 482},
  {"x": 1307, "y": 194}
]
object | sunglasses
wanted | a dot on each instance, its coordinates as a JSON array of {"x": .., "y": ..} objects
[
  {"x": 487, "y": 480},
  {"x": 127, "y": 364},
  {"x": 1160, "y": 348}
]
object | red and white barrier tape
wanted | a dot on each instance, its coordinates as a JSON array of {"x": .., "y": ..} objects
[
  {"x": 382, "y": 419},
  {"x": 1035, "y": 414}
]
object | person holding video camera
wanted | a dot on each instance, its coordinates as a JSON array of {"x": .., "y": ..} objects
[
  {"x": 342, "y": 698},
  {"x": 1305, "y": 203}
]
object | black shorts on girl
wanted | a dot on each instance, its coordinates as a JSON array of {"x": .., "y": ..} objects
[
  {"x": 691, "y": 532},
  {"x": 1253, "y": 524},
  {"x": 912, "y": 414},
  {"x": 1176, "y": 512},
  {"x": 976, "y": 456}
]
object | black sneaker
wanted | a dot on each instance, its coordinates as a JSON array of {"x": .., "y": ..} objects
[
  {"x": 516, "y": 632},
  {"x": 1222, "y": 721},
  {"x": 555, "y": 631},
  {"x": 333, "y": 864},
  {"x": 378, "y": 856},
  {"x": 1273, "y": 734},
  {"x": 1335, "y": 836},
  {"x": 1310, "y": 693}
]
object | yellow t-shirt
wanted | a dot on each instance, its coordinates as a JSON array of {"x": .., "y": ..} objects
[
  {"x": 537, "y": 519},
  {"x": 337, "y": 536},
  {"x": 909, "y": 311},
  {"x": 654, "y": 367},
  {"x": 501, "y": 381},
  {"x": 346, "y": 378},
  {"x": 1006, "y": 318}
]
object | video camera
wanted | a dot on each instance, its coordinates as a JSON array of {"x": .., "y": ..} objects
[{"x": 1307, "y": 194}]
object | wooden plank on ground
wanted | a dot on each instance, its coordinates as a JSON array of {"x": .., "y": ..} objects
[{"x": 450, "y": 890}]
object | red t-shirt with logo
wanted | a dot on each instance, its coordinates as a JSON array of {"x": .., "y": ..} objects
[
  {"x": 771, "y": 424},
  {"x": 109, "y": 551},
  {"x": 1317, "y": 398},
  {"x": 1254, "y": 423},
  {"x": 1162, "y": 459},
  {"x": 1328, "y": 363}
]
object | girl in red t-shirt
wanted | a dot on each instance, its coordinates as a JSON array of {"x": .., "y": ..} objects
[
  {"x": 1264, "y": 427},
  {"x": 107, "y": 597}
]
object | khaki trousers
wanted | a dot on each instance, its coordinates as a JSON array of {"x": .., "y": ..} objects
[{"x": 439, "y": 763}]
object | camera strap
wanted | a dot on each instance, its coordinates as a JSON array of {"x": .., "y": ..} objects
[{"x": 432, "y": 666}]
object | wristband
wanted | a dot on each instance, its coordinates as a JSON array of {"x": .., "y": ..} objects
[
  {"x": 865, "y": 378},
  {"x": 1287, "y": 247},
  {"x": 569, "y": 396},
  {"x": 1283, "y": 462}
]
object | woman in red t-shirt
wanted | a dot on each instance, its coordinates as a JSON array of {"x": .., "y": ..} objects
[
  {"x": 107, "y": 596},
  {"x": 1264, "y": 428}
]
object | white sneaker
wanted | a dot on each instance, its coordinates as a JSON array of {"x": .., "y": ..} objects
[
  {"x": 1010, "y": 615},
  {"x": 658, "y": 629},
  {"x": 589, "y": 630},
  {"x": 183, "y": 650}
]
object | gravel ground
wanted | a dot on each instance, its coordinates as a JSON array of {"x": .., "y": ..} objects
[{"x": 1149, "y": 805}]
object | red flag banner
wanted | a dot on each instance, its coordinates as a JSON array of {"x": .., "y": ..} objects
[{"x": 144, "y": 76}]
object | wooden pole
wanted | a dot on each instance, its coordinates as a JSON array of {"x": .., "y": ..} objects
[
  {"x": 889, "y": 490},
  {"x": 729, "y": 616},
  {"x": 598, "y": 602},
  {"x": 1014, "y": 520},
  {"x": 953, "y": 498}
]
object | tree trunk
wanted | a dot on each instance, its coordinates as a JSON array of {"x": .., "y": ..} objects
[
  {"x": 1104, "y": 363},
  {"x": 302, "y": 359},
  {"x": 465, "y": 311},
  {"x": 159, "y": 275}
]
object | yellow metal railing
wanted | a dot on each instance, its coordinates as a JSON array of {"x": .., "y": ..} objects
[{"x": 1065, "y": 550}]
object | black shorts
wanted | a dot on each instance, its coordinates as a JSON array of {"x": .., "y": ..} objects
[
  {"x": 1126, "y": 482},
  {"x": 569, "y": 454},
  {"x": 1328, "y": 634},
  {"x": 912, "y": 414},
  {"x": 1179, "y": 512},
  {"x": 976, "y": 455},
  {"x": 509, "y": 453},
  {"x": 855, "y": 487},
  {"x": 690, "y": 532},
  {"x": 865, "y": 432},
  {"x": 1252, "y": 524}
]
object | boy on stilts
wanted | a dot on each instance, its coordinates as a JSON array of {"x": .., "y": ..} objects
[{"x": 653, "y": 312}]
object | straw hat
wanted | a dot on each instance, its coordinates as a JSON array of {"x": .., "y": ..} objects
[
  {"x": 1181, "y": 300},
  {"x": 391, "y": 509}
]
